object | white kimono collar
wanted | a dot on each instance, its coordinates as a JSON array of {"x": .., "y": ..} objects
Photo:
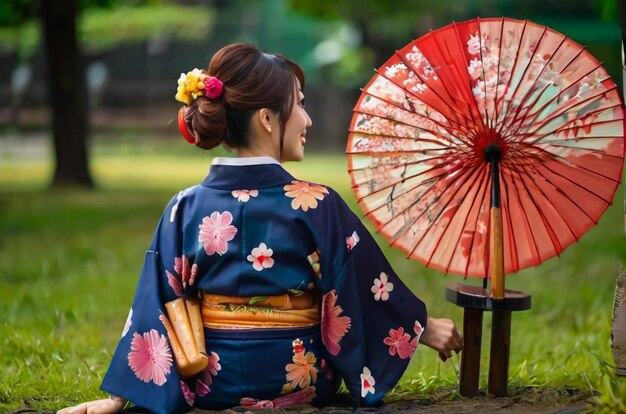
[{"x": 242, "y": 161}]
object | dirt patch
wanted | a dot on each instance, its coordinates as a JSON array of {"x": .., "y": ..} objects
[{"x": 528, "y": 401}]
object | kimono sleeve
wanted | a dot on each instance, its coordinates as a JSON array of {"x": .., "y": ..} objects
[
  {"x": 142, "y": 369},
  {"x": 371, "y": 321}
]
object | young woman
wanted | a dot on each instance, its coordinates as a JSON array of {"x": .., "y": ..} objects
[{"x": 286, "y": 285}]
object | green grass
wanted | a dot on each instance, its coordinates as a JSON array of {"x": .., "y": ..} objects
[{"x": 69, "y": 262}]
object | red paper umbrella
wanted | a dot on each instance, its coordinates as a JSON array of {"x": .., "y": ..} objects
[{"x": 487, "y": 146}]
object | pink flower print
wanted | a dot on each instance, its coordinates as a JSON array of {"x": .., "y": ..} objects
[
  {"x": 150, "y": 357},
  {"x": 326, "y": 369},
  {"x": 398, "y": 342},
  {"x": 367, "y": 382},
  {"x": 333, "y": 326},
  {"x": 184, "y": 275},
  {"x": 381, "y": 287},
  {"x": 192, "y": 275},
  {"x": 174, "y": 283},
  {"x": 244, "y": 195},
  {"x": 473, "y": 44},
  {"x": 181, "y": 267},
  {"x": 261, "y": 257},
  {"x": 214, "y": 364},
  {"x": 202, "y": 389},
  {"x": 418, "y": 329},
  {"x": 206, "y": 376},
  {"x": 294, "y": 399},
  {"x": 189, "y": 396},
  {"x": 352, "y": 240},
  {"x": 216, "y": 231},
  {"x": 252, "y": 403},
  {"x": 129, "y": 322}
]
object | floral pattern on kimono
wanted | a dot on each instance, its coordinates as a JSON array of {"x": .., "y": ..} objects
[{"x": 218, "y": 238}]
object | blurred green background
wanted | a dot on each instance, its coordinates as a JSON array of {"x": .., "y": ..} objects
[{"x": 71, "y": 248}]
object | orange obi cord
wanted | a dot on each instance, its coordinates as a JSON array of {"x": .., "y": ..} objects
[{"x": 282, "y": 311}]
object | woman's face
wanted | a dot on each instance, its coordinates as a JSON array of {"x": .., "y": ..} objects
[{"x": 295, "y": 129}]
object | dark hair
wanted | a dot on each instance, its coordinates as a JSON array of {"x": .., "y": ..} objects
[{"x": 252, "y": 80}]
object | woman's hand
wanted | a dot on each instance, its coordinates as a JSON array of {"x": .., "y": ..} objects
[
  {"x": 113, "y": 404},
  {"x": 442, "y": 336}
]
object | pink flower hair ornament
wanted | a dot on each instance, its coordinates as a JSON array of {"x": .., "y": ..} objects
[
  {"x": 190, "y": 86},
  {"x": 197, "y": 83},
  {"x": 213, "y": 87}
]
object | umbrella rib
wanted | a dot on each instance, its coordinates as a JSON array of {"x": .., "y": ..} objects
[
  {"x": 484, "y": 77},
  {"x": 461, "y": 127},
  {"x": 470, "y": 178},
  {"x": 455, "y": 128},
  {"x": 545, "y": 29},
  {"x": 434, "y": 178},
  {"x": 470, "y": 172},
  {"x": 567, "y": 196},
  {"x": 481, "y": 189},
  {"x": 591, "y": 150},
  {"x": 497, "y": 73},
  {"x": 480, "y": 49},
  {"x": 567, "y": 124},
  {"x": 522, "y": 109},
  {"x": 393, "y": 152},
  {"x": 555, "y": 141},
  {"x": 408, "y": 225},
  {"x": 474, "y": 177},
  {"x": 523, "y": 178},
  {"x": 568, "y": 105},
  {"x": 450, "y": 130},
  {"x": 552, "y": 155},
  {"x": 566, "y": 108},
  {"x": 399, "y": 138},
  {"x": 402, "y": 179},
  {"x": 514, "y": 67},
  {"x": 506, "y": 206},
  {"x": 475, "y": 122},
  {"x": 389, "y": 118},
  {"x": 408, "y": 138},
  {"x": 396, "y": 183},
  {"x": 587, "y": 190}
]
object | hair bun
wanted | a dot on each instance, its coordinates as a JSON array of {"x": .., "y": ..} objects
[{"x": 207, "y": 119}]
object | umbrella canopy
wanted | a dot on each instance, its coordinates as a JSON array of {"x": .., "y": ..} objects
[{"x": 514, "y": 92}]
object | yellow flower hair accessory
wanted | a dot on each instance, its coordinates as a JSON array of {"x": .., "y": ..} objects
[{"x": 196, "y": 83}]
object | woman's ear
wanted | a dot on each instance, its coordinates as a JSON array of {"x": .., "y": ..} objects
[{"x": 266, "y": 119}]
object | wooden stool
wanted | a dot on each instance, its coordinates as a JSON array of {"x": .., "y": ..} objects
[{"x": 475, "y": 300}]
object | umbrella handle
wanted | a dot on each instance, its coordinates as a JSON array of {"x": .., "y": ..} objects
[{"x": 496, "y": 247}]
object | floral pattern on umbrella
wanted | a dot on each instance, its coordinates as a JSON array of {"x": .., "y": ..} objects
[{"x": 422, "y": 124}]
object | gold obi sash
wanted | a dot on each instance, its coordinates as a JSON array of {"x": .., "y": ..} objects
[{"x": 282, "y": 311}]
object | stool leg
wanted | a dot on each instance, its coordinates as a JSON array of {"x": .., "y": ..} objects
[
  {"x": 499, "y": 356},
  {"x": 470, "y": 357}
]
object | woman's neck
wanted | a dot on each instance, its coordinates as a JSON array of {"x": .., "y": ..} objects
[{"x": 256, "y": 152}]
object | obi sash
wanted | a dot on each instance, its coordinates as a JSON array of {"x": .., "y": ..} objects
[{"x": 281, "y": 311}]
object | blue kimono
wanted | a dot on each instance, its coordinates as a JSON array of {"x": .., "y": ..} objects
[{"x": 248, "y": 232}]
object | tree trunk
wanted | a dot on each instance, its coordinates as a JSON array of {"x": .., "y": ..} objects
[{"x": 67, "y": 93}]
